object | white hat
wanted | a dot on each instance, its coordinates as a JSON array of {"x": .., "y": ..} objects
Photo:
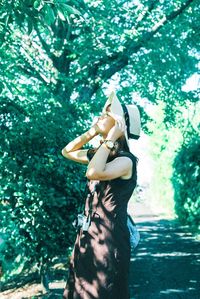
[{"x": 130, "y": 113}]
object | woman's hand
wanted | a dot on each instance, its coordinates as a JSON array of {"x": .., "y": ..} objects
[
  {"x": 118, "y": 129},
  {"x": 96, "y": 128}
]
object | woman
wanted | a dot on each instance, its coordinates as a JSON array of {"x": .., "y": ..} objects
[{"x": 100, "y": 260}]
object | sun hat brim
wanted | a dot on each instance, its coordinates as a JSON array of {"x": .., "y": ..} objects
[{"x": 129, "y": 113}]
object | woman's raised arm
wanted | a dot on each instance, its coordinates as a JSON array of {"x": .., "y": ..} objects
[{"x": 72, "y": 149}]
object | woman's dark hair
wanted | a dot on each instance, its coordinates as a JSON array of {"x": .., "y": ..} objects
[{"x": 120, "y": 146}]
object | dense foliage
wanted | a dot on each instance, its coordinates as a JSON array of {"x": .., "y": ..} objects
[
  {"x": 186, "y": 181},
  {"x": 41, "y": 191},
  {"x": 163, "y": 143},
  {"x": 172, "y": 176},
  {"x": 57, "y": 57}
]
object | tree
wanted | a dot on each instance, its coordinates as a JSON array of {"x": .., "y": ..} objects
[
  {"x": 56, "y": 58},
  {"x": 186, "y": 181},
  {"x": 155, "y": 43}
]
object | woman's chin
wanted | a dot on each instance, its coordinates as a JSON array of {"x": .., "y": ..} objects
[
  {"x": 103, "y": 133},
  {"x": 104, "y": 136}
]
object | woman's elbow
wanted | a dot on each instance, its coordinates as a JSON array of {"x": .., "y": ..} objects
[
  {"x": 91, "y": 174},
  {"x": 65, "y": 153}
]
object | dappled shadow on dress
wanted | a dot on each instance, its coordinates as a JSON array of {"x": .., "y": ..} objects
[
  {"x": 166, "y": 264},
  {"x": 97, "y": 264}
]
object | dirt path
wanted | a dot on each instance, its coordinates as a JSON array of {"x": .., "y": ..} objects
[{"x": 165, "y": 265}]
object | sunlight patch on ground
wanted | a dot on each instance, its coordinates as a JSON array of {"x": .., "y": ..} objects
[
  {"x": 57, "y": 285},
  {"x": 169, "y": 291},
  {"x": 168, "y": 254},
  {"x": 29, "y": 291},
  {"x": 22, "y": 292}
]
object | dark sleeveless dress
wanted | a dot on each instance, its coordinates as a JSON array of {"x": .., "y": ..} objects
[{"x": 99, "y": 265}]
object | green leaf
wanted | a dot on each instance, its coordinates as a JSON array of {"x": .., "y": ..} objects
[
  {"x": 19, "y": 18},
  {"x": 69, "y": 9},
  {"x": 8, "y": 18},
  {"x": 61, "y": 15},
  {"x": 38, "y": 5},
  {"x": 1, "y": 87},
  {"x": 30, "y": 26},
  {"x": 49, "y": 15}
]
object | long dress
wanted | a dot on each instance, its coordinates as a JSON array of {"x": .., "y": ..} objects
[{"x": 99, "y": 265}]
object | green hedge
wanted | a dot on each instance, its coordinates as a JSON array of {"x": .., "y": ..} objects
[
  {"x": 186, "y": 182},
  {"x": 41, "y": 190}
]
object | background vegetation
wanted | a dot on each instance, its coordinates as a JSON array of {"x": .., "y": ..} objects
[{"x": 56, "y": 59}]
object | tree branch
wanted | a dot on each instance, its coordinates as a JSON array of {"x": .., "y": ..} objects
[
  {"x": 121, "y": 59},
  {"x": 7, "y": 103},
  {"x": 145, "y": 13},
  {"x": 44, "y": 44},
  {"x": 61, "y": 63}
]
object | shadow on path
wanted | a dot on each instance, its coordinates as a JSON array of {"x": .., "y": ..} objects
[{"x": 166, "y": 263}]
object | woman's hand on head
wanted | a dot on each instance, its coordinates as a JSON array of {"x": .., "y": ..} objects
[
  {"x": 118, "y": 129},
  {"x": 96, "y": 128}
]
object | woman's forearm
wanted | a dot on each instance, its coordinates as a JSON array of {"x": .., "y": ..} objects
[
  {"x": 78, "y": 142},
  {"x": 98, "y": 162}
]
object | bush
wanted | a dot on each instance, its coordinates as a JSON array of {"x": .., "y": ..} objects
[
  {"x": 186, "y": 182},
  {"x": 41, "y": 190}
]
